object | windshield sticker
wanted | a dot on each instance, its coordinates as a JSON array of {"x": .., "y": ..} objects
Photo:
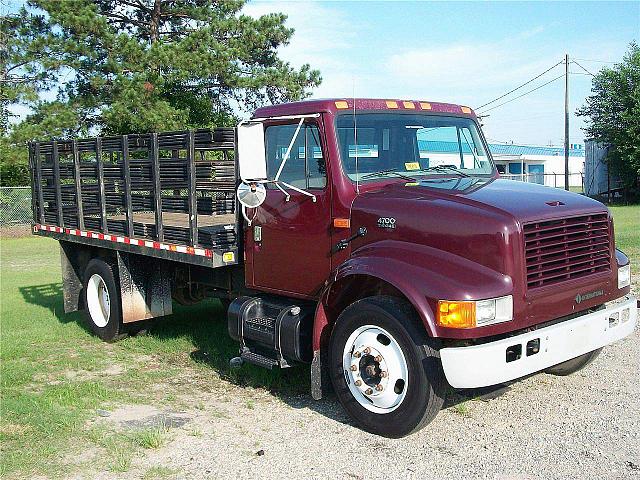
[{"x": 412, "y": 166}]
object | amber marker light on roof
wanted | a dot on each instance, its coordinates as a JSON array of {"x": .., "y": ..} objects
[
  {"x": 425, "y": 106},
  {"x": 391, "y": 104},
  {"x": 408, "y": 105},
  {"x": 456, "y": 314},
  {"x": 341, "y": 104},
  {"x": 341, "y": 223},
  {"x": 465, "y": 109}
]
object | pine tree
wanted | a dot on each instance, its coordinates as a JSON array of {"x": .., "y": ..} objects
[{"x": 121, "y": 66}]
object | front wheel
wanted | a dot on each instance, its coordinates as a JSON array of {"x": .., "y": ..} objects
[
  {"x": 571, "y": 366},
  {"x": 385, "y": 370}
]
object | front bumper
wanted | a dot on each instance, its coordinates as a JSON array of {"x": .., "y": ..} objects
[{"x": 497, "y": 362}]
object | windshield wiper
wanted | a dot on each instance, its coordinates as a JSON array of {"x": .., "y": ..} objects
[
  {"x": 444, "y": 169},
  {"x": 381, "y": 173}
]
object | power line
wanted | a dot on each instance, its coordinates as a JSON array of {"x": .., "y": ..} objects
[
  {"x": 594, "y": 61},
  {"x": 524, "y": 94},
  {"x": 519, "y": 87},
  {"x": 583, "y": 68}
]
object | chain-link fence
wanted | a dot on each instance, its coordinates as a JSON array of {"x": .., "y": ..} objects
[
  {"x": 576, "y": 179},
  {"x": 15, "y": 206}
]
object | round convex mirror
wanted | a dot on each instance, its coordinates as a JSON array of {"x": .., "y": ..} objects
[{"x": 251, "y": 195}]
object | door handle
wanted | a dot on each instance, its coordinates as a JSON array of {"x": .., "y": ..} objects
[{"x": 257, "y": 233}]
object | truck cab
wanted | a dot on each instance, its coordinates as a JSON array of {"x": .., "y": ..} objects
[
  {"x": 373, "y": 239},
  {"x": 398, "y": 212}
]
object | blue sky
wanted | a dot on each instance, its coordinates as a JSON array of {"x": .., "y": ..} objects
[
  {"x": 466, "y": 53},
  {"x": 458, "y": 52}
]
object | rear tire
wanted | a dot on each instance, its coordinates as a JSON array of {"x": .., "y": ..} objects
[
  {"x": 572, "y": 366},
  {"x": 102, "y": 301},
  {"x": 380, "y": 343}
]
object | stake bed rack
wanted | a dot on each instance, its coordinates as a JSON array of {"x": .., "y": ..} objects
[{"x": 172, "y": 192}]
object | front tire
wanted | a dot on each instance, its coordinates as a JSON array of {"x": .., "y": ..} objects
[
  {"x": 102, "y": 301},
  {"x": 572, "y": 366},
  {"x": 384, "y": 368}
]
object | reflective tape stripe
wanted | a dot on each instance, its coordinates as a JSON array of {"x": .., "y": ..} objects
[{"x": 203, "y": 252}]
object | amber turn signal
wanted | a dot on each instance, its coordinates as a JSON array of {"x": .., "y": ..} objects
[
  {"x": 341, "y": 223},
  {"x": 456, "y": 314}
]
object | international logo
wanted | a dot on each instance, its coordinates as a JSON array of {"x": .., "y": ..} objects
[{"x": 588, "y": 296}]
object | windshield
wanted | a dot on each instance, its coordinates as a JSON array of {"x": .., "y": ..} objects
[{"x": 407, "y": 145}]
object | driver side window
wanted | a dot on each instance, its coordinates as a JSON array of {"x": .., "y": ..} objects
[{"x": 305, "y": 168}]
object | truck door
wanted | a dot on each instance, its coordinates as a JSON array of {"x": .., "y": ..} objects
[{"x": 289, "y": 239}]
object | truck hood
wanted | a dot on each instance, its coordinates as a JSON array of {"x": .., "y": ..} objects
[
  {"x": 481, "y": 221},
  {"x": 478, "y": 219}
]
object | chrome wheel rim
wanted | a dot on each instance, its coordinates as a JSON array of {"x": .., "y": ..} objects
[
  {"x": 375, "y": 369},
  {"x": 98, "y": 301}
]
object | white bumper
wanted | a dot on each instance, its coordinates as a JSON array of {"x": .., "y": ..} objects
[{"x": 486, "y": 364}]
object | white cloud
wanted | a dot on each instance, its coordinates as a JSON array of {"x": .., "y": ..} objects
[{"x": 323, "y": 38}]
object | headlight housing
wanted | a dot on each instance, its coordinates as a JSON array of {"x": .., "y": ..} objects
[
  {"x": 471, "y": 314},
  {"x": 624, "y": 276}
]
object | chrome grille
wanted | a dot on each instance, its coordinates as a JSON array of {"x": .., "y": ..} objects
[{"x": 567, "y": 248}]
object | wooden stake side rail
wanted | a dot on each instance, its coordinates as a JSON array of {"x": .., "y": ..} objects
[{"x": 127, "y": 186}]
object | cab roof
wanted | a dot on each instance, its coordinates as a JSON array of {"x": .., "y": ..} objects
[{"x": 337, "y": 105}]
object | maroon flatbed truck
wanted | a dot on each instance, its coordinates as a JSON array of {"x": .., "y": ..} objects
[{"x": 372, "y": 239}]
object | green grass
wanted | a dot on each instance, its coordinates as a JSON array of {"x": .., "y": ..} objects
[
  {"x": 627, "y": 229},
  {"x": 54, "y": 373},
  {"x": 159, "y": 473},
  {"x": 52, "y": 370},
  {"x": 151, "y": 437}
]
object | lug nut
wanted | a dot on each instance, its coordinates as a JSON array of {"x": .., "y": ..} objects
[
  {"x": 367, "y": 350},
  {"x": 383, "y": 374},
  {"x": 358, "y": 383},
  {"x": 357, "y": 354},
  {"x": 368, "y": 391},
  {"x": 354, "y": 368},
  {"x": 378, "y": 358},
  {"x": 379, "y": 387}
]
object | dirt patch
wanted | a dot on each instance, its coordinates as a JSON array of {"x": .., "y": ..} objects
[
  {"x": 137, "y": 417},
  {"x": 14, "y": 429},
  {"x": 86, "y": 375},
  {"x": 15, "y": 231}
]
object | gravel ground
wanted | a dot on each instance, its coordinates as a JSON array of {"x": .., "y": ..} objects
[{"x": 583, "y": 426}]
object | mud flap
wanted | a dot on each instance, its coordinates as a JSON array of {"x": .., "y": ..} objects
[
  {"x": 145, "y": 287},
  {"x": 73, "y": 261},
  {"x": 320, "y": 382}
]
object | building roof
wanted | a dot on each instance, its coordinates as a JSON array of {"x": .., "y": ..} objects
[
  {"x": 511, "y": 149},
  {"x": 498, "y": 149}
]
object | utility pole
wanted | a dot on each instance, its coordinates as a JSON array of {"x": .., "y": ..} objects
[{"x": 566, "y": 121}]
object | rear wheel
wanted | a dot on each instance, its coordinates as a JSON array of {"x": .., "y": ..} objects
[
  {"x": 102, "y": 301},
  {"x": 385, "y": 370},
  {"x": 572, "y": 366}
]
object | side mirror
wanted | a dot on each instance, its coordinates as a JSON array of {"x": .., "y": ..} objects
[
  {"x": 251, "y": 195},
  {"x": 251, "y": 155}
]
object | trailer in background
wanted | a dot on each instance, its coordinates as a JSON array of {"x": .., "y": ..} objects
[{"x": 598, "y": 181}]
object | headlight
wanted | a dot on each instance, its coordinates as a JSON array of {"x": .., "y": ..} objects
[
  {"x": 624, "y": 276},
  {"x": 473, "y": 314}
]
